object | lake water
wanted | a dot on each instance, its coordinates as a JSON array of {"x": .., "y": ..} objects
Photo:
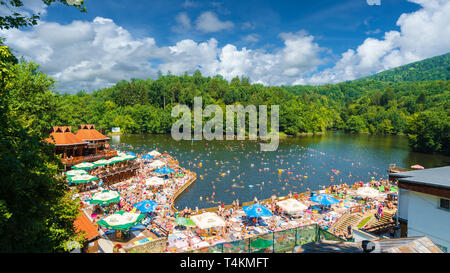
[{"x": 229, "y": 170}]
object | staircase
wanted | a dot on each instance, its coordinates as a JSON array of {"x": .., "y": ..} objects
[
  {"x": 378, "y": 226},
  {"x": 349, "y": 219}
]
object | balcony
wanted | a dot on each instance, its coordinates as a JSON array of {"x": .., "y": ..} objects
[{"x": 88, "y": 158}]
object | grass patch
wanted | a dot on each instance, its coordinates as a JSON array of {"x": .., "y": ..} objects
[{"x": 364, "y": 222}]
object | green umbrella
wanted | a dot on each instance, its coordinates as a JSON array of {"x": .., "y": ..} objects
[
  {"x": 82, "y": 179},
  {"x": 105, "y": 197},
  {"x": 116, "y": 159},
  {"x": 72, "y": 173},
  {"x": 83, "y": 166},
  {"x": 121, "y": 220},
  {"x": 181, "y": 221},
  {"x": 261, "y": 243},
  {"x": 101, "y": 162}
]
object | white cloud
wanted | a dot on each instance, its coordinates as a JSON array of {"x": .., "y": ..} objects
[
  {"x": 183, "y": 22},
  {"x": 252, "y": 38},
  {"x": 423, "y": 34},
  {"x": 209, "y": 22},
  {"x": 99, "y": 53}
]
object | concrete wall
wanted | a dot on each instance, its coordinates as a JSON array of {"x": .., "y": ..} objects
[
  {"x": 425, "y": 218},
  {"x": 155, "y": 246}
]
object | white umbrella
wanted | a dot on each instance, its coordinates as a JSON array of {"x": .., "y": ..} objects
[
  {"x": 154, "y": 153},
  {"x": 156, "y": 164},
  {"x": 75, "y": 172},
  {"x": 208, "y": 220},
  {"x": 83, "y": 166},
  {"x": 154, "y": 181},
  {"x": 292, "y": 206},
  {"x": 367, "y": 192}
]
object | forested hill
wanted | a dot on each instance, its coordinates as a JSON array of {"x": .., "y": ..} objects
[{"x": 435, "y": 68}]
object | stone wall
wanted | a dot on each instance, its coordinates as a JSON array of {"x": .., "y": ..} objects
[{"x": 155, "y": 246}]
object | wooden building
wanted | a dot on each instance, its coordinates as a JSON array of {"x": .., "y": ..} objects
[
  {"x": 86, "y": 145},
  {"x": 66, "y": 143},
  {"x": 91, "y": 233}
]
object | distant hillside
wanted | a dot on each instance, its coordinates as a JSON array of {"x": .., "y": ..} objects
[{"x": 435, "y": 68}]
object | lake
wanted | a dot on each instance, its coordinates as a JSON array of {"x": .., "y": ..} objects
[{"x": 230, "y": 170}]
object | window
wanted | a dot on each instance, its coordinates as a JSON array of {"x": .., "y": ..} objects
[{"x": 444, "y": 204}]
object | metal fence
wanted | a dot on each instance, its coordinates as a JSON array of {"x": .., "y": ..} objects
[{"x": 273, "y": 242}]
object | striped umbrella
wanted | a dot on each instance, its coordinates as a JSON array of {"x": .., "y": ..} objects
[
  {"x": 121, "y": 220},
  {"x": 105, "y": 197},
  {"x": 82, "y": 179}
]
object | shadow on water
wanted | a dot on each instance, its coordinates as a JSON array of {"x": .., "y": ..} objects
[{"x": 229, "y": 170}]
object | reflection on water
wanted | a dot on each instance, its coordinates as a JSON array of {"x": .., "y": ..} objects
[{"x": 229, "y": 170}]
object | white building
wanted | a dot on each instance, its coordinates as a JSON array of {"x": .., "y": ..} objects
[{"x": 423, "y": 207}]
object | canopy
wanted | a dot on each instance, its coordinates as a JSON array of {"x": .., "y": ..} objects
[
  {"x": 324, "y": 199},
  {"x": 164, "y": 170},
  {"x": 292, "y": 206},
  {"x": 157, "y": 164},
  {"x": 181, "y": 221},
  {"x": 154, "y": 181},
  {"x": 83, "y": 166},
  {"x": 154, "y": 153},
  {"x": 82, "y": 179},
  {"x": 417, "y": 167},
  {"x": 367, "y": 192},
  {"x": 105, "y": 197},
  {"x": 146, "y": 206},
  {"x": 101, "y": 162},
  {"x": 208, "y": 220},
  {"x": 121, "y": 220},
  {"x": 75, "y": 172},
  {"x": 147, "y": 156},
  {"x": 257, "y": 210}
]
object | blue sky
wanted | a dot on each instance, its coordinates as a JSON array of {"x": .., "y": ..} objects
[{"x": 271, "y": 42}]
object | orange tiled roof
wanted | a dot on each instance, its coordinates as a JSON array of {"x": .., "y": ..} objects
[
  {"x": 82, "y": 223},
  {"x": 62, "y": 135},
  {"x": 88, "y": 132}
]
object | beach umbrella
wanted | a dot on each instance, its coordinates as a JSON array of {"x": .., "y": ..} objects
[
  {"x": 83, "y": 166},
  {"x": 157, "y": 164},
  {"x": 418, "y": 167},
  {"x": 154, "y": 153},
  {"x": 146, "y": 206},
  {"x": 81, "y": 179},
  {"x": 261, "y": 243},
  {"x": 367, "y": 192},
  {"x": 101, "y": 162},
  {"x": 154, "y": 181},
  {"x": 131, "y": 153},
  {"x": 292, "y": 206},
  {"x": 182, "y": 221},
  {"x": 121, "y": 220},
  {"x": 208, "y": 220},
  {"x": 105, "y": 197},
  {"x": 147, "y": 156},
  {"x": 324, "y": 199},
  {"x": 257, "y": 210},
  {"x": 128, "y": 157},
  {"x": 72, "y": 173},
  {"x": 116, "y": 159},
  {"x": 164, "y": 170}
]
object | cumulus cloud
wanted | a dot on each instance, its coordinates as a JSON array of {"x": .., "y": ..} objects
[
  {"x": 183, "y": 22},
  {"x": 422, "y": 35},
  {"x": 209, "y": 22},
  {"x": 91, "y": 55}
]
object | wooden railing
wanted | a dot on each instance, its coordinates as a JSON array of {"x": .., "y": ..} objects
[
  {"x": 183, "y": 188},
  {"x": 78, "y": 159},
  {"x": 381, "y": 228}
]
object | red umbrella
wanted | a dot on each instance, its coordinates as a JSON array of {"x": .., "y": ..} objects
[{"x": 417, "y": 167}]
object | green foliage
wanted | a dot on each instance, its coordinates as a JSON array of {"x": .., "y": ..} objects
[
  {"x": 36, "y": 210},
  {"x": 15, "y": 19},
  {"x": 435, "y": 68}
]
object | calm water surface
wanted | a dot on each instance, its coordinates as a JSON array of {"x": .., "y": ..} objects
[{"x": 229, "y": 170}]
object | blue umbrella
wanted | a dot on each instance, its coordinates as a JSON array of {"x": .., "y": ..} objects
[
  {"x": 146, "y": 206},
  {"x": 257, "y": 210},
  {"x": 147, "y": 156},
  {"x": 164, "y": 170},
  {"x": 131, "y": 153},
  {"x": 324, "y": 199}
]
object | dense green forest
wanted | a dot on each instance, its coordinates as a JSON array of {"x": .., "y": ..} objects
[
  {"x": 435, "y": 68},
  {"x": 418, "y": 109}
]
